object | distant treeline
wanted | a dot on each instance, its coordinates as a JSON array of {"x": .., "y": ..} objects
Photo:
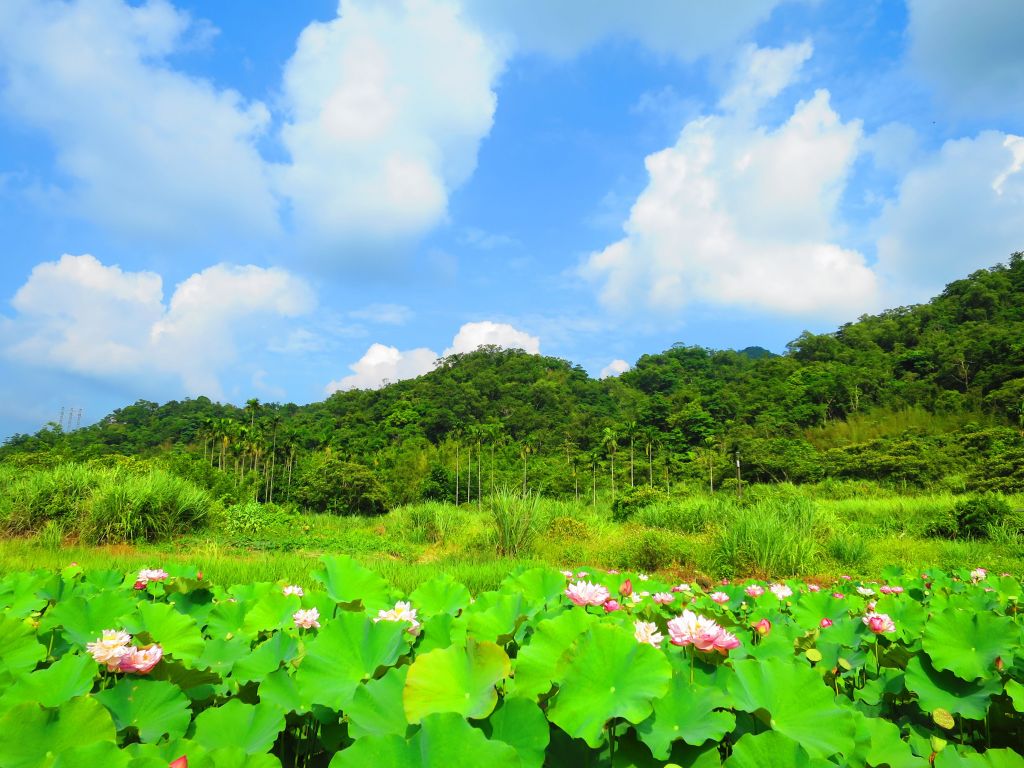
[{"x": 925, "y": 395}]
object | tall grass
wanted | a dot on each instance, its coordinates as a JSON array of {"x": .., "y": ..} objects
[
  {"x": 516, "y": 520},
  {"x": 147, "y": 508},
  {"x": 769, "y": 538}
]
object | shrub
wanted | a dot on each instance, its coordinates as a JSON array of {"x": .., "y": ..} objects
[
  {"x": 328, "y": 484},
  {"x": 252, "y": 519},
  {"x": 651, "y": 550},
  {"x": 630, "y": 501},
  {"x": 974, "y": 515},
  {"x": 146, "y": 508}
]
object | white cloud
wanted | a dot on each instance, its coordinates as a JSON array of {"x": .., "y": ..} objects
[
  {"x": 960, "y": 210},
  {"x": 78, "y": 315},
  {"x": 387, "y": 105},
  {"x": 743, "y": 215},
  {"x": 382, "y": 364},
  {"x": 151, "y": 151},
  {"x": 388, "y": 314},
  {"x": 614, "y": 368},
  {"x": 567, "y": 28},
  {"x": 486, "y": 333},
  {"x": 971, "y": 54}
]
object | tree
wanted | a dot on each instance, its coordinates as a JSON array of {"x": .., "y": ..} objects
[{"x": 610, "y": 442}]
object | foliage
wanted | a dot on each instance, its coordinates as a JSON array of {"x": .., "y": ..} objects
[
  {"x": 328, "y": 484},
  {"x": 632, "y": 500},
  {"x": 515, "y": 520},
  {"x": 772, "y": 538},
  {"x": 976, "y": 514}
]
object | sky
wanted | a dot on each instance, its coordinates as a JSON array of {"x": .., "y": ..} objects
[{"x": 284, "y": 200}]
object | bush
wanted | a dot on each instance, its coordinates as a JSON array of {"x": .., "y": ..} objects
[
  {"x": 148, "y": 508},
  {"x": 692, "y": 515},
  {"x": 649, "y": 550},
  {"x": 252, "y": 519},
  {"x": 633, "y": 500},
  {"x": 328, "y": 484},
  {"x": 974, "y": 515}
]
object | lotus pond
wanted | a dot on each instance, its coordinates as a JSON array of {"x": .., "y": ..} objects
[{"x": 99, "y": 667}]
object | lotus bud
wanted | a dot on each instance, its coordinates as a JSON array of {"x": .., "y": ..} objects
[
  {"x": 763, "y": 627},
  {"x": 825, "y": 623},
  {"x": 626, "y": 588},
  {"x": 611, "y": 605}
]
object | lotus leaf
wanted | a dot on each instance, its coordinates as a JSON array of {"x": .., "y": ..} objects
[
  {"x": 441, "y": 594},
  {"x": 84, "y": 618},
  {"x": 536, "y": 662},
  {"x": 69, "y": 676},
  {"x": 456, "y": 679},
  {"x": 686, "y": 712},
  {"x": 31, "y": 736},
  {"x": 771, "y": 749},
  {"x": 177, "y": 633},
  {"x": 968, "y": 644},
  {"x": 254, "y": 728},
  {"x": 349, "y": 582},
  {"x": 19, "y": 649},
  {"x": 936, "y": 689},
  {"x": 377, "y": 708},
  {"x": 521, "y": 724},
  {"x": 153, "y": 707}
]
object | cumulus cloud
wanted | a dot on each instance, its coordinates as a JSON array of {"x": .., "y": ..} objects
[
  {"x": 79, "y": 315},
  {"x": 614, "y": 368},
  {"x": 736, "y": 213},
  {"x": 150, "y": 151},
  {"x": 959, "y": 210},
  {"x": 382, "y": 364},
  {"x": 971, "y": 55},
  {"x": 387, "y": 106}
]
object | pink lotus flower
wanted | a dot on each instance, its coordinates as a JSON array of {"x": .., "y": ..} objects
[
  {"x": 719, "y": 597},
  {"x": 865, "y": 591},
  {"x": 611, "y": 605},
  {"x": 725, "y": 582},
  {"x": 878, "y": 623},
  {"x": 681, "y": 588},
  {"x": 181, "y": 762},
  {"x": 754, "y": 590},
  {"x": 813, "y": 588},
  {"x": 141, "y": 660},
  {"x": 887, "y": 590},
  {"x": 147, "y": 575},
  {"x": 567, "y": 574},
  {"x": 701, "y": 632},
  {"x": 845, "y": 577},
  {"x": 309, "y": 619},
  {"x": 663, "y": 598},
  {"x": 403, "y": 611},
  {"x": 762, "y": 627},
  {"x": 584, "y": 593},
  {"x": 293, "y": 589},
  {"x": 978, "y": 574},
  {"x": 838, "y": 595},
  {"x": 112, "y": 646},
  {"x": 626, "y": 588},
  {"x": 781, "y": 591},
  {"x": 870, "y": 607},
  {"x": 613, "y": 572},
  {"x": 825, "y": 623},
  {"x": 725, "y": 642},
  {"x": 647, "y": 632}
]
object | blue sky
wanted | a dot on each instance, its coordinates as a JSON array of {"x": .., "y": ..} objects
[{"x": 279, "y": 200}]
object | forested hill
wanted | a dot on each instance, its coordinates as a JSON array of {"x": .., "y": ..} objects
[{"x": 913, "y": 394}]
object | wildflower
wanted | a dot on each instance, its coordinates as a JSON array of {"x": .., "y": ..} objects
[
  {"x": 307, "y": 619},
  {"x": 585, "y": 593},
  {"x": 719, "y": 597},
  {"x": 865, "y": 591},
  {"x": 825, "y": 623},
  {"x": 611, "y": 605},
  {"x": 845, "y": 577},
  {"x": 613, "y": 572},
  {"x": 647, "y": 632},
  {"x": 978, "y": 574},
  {"x": 141, "y": 660},
  {"x": 878, "y": 623},
  {"x": 754, "y": 590},
  {"x": 626, "y": 588},
  {"x": 762, "y": 627},
  {"x": 781, "y": 591},
  {"x": 403, "y": 611},
  {"x": 663, "y": 598},
  {"x": 110, "y": 648},
  {"x": 293, "y": 589}
]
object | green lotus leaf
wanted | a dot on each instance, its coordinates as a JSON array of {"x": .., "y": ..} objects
[
  {"x": 70, "y": 676},
  {"x": 799, "y": 704},
  {"x": 176, "y": 633},
  {"x": 19, "y": 649},
  {"x": 521, "y": 724},
  {"x": 346, "y": 652},
  {"x": 444, "y": 740},
  {"x": 879, "y": 743},
  {"x": 993, "y": 758},
  {"x": 908, "y": 615},
  {"x": 236, "y": 757},
  {"x": 686, "y": 712},
  {"x": 273, "y": 610},
  {"x": 221, "y": 655},
  {"x": 254, "y": 728},
  {"x": 441, "y": 594},
  {"x": 936, "y": 689},
  {"x": 968, "y": 644},
  {"x": 1016, "y": 693},
  {"x": 377, "y": 709},
  {"x": 278, "y": 689},
  {"x": 889, "y": 682},
  {"x": 349, "y": 582},
  {"x": 608, "y": 675},
  {"x": 771, "y": 749},
  {"x": 197, "y": 684},
  {"x": 153, "y": 707},
  {"x": 226, "y": 619},
  {"x": 265, "y": 658},
  {"x": 19, "y": 593},
  {"x": 495, "y": 617},
  {"x": 456, "y": 679},
  {"x": 84, "y": 618},
  {"x": 440, "y": 631},
  {"x": 538, "y": 586},
  {"x": 536, "y": 662},
  {"x": 159, "y": 755},
  {"x": 31, "y": 736},
  {"x": 100, "y": 753}
]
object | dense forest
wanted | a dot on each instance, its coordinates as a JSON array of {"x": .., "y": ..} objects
[{"x": 917, "y": 396}]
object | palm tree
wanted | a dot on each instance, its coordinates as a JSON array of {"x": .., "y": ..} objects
[
  {"x": 610, "y": 442},
  {"x": 630, "y": 429},
  {"x": 524, "y": 451},
  {"x": 252, "y": 407}
]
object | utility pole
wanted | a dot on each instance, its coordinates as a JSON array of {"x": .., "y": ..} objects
[{"x": 739, "y": 481}]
